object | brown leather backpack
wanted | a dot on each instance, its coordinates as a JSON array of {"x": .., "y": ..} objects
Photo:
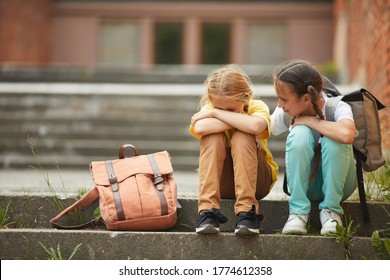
[{"x": 135, "y": 193}]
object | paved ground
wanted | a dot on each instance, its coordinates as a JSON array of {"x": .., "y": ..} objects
[{"x": 68, "y": 182}]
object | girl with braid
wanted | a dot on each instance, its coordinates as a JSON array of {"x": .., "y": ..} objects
[{"x": 319, "y": 156}]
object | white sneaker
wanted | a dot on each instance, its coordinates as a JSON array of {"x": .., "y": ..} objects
[
  {"x": 329, "y": 220},
  {"x": 296, "y": 224}
]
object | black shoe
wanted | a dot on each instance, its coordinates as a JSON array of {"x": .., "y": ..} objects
[
  {"x": 248, "y": 222},
  {"x": 209, "y": 221}
]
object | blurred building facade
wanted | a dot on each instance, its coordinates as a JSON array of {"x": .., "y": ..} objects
[
  {"x": 146, "y": 33},
  {"x": 350, "y": 36}
]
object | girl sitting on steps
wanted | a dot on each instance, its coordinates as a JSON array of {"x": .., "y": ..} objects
[
  {"x": 319, "y": 156},
  {"x": 234, "y": 158}
]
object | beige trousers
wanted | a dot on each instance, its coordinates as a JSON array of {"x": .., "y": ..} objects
[{"x": 239, "y": 171}]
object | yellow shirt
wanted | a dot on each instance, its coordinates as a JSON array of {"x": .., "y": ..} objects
[{"x": 255, "y": 108}]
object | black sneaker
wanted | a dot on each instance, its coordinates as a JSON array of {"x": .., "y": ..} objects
[
  {"x": 209, "y": 221},
  {"x": 248, "y": 222}
]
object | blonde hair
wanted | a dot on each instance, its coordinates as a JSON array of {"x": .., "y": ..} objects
[{"x": 229, "y": 81}]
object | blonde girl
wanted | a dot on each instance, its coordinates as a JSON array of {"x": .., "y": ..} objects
[{"x": 235, "y": 162}]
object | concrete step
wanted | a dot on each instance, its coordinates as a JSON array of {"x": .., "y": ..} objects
[
  {"x": 171, "y": 74},
  {"x": 103, "y": 245},
  {"x": 73, "y": 124},
  {"x": 181, "y": 242}
]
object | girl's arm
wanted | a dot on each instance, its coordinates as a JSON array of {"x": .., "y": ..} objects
[
  {"x": 209, "y": 125},
  {"x": 216, "y": 120},
  {"x": 342, "y": 131}
]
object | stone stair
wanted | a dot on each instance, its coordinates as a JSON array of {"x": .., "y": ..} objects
[
  {"x": 73, "y": 124},
  {"x": 181, "y": 242}
]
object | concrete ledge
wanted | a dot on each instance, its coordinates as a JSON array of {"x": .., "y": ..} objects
[
  {"x": 36, "y": 211},
  {"x": 100, "y": 245},
  {"x": 180, "y": 242}
]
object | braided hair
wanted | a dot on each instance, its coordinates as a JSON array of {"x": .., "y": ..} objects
[{"x": 303, "y": 78}]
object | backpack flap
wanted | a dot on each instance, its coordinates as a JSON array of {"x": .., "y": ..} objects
[
  {"x": 358, "y": 95},
  {"x": 136, "y": 193},
  {"x": 127, "y": 167},
  {"x": 368, "y": 141}
]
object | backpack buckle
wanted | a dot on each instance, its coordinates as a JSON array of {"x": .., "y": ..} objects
[
  {"x": 113, "y": 179},
  {"x": 158, "y": 181}
]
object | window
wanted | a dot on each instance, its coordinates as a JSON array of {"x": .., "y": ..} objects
[
  {"x": 168, "y": 43},
  {"x": 119, "y": 43},
  {"x": 215, "y": 43},
  {"x": 265, "y": 43}
]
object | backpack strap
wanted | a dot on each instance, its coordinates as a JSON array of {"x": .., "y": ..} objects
[
  {"x": 158, "y": 183},
  {"x": 330, "y": 107},
  {"x": 285, "y": 185},
  {"x": 89, "y": 198},
  {"x": 360, "y": 184},
  {"x": 113, "y": 179}
]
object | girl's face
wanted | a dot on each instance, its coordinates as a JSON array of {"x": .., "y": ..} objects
[
  {"x": 227, "y": 104},
  {"x": 292, "y": 104}
]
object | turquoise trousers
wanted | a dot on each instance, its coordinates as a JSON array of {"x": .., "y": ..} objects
[{"x": 334, "y": 181}]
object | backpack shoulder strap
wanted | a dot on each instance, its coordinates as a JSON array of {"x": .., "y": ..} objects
[
  {"x": 360, "y": 184},
  {"x": 85, "y": 201},
  {"x": 334, "y": 96},
  {"x": 330, "y": 107},
  {"x": 285, "y": 184}
]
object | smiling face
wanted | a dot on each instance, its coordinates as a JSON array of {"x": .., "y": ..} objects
[
  {"x": 292, "y": 104},
  {"x": 227, "y": 104},
  {"x": 298, "y": 85}
]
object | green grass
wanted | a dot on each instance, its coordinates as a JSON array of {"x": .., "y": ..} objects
[
  {"x": 381, "y": 247},
  {"x": 376, "y": 184},
  {"x": 55, "y": 253},
  {"x": 5, "y": 218},
  {"x": 344, "y": 234},
  {"x": 77, "y": 215},
  {"x": 381, "y": 179}
]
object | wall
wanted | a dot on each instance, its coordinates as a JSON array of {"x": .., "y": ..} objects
[
  {"x": 24, "y": 31},
  {"x": 68, "y": 33},
  {"x": 368, "y": 50}
]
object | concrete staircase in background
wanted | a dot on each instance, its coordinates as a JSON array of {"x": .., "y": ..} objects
[{"x": 72, "y": 124}]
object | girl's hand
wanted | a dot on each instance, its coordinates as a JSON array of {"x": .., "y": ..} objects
[
  {"x": 202, "y": 115},
  {"x": 310, "y": 121}
]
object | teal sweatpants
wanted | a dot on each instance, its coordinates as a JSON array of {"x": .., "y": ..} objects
[{"x": 334, "y": 181}]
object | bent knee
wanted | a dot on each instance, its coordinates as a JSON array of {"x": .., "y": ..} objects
[
  {"x": 301, "y": 137},
  {"x": 240, "y": 137},
  {"x": 214, "y": 139}
]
